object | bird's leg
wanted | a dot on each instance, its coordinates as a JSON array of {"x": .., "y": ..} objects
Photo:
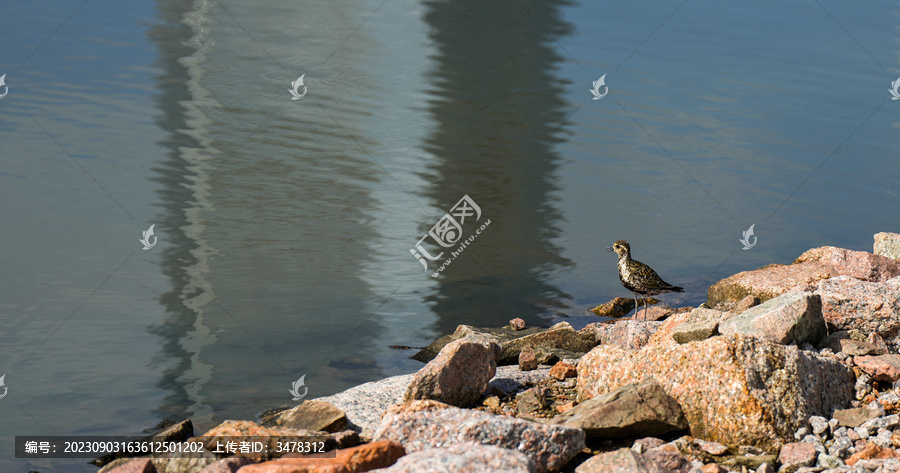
[{"x": 635, "y": 305}]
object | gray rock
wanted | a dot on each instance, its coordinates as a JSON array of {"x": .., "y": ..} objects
[
  {"x": 840, "y": 447},
  {"x": 668, "y": 461},
  {"x": 633, "y": 410},
  {"x": 364, "y": 404},
  {"x": 532, "y": 400},
  {"x": 560, "y": 338},
  {"x": 801, "y": 432},
  {"x": 819, "y": 424},
  {"x": 829, "y": 461},
  {"x": 548, "y": 446},
  {"x": 699, "y": 325},
  {"x": 792, "y": 317},
  {"x": 459, "y": 374},
  {"x": 887, "y": 244},
  {"x": 508, "y": 381},
  {"x": 468, "y": 457}
]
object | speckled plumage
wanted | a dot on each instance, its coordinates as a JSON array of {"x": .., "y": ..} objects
[{"x": 637, "y": 277}]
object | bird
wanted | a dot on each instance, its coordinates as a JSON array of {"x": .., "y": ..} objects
[{"x": 637, "y": 277}]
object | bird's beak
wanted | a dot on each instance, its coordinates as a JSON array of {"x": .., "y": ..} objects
[{"x": 609, "y": 248}]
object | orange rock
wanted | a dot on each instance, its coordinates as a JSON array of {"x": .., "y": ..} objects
[
  {"x": 563, "y": 408},
  {"x": 370, "y": 456},
  {"x": 871, "y": 451},
  {"x": 563, "y": 370}
]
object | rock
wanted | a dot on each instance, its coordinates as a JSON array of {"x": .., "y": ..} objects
[
  {"x": 735, "y": 390},
  {"x": 751, "y": 462},
  {"x": 532, "y": 400},
  {"x": 465, "y": 457},
  {"x": 857, "y": 348},
  {"x": 139, "y": 465},
  {"x": 517, "y": 324},
  {"x": 346, "y": 438},
  {"x": 871, "y": 450},
  {"x": 881, "y": 368},
  {"x": 618, "y": 307},
  {"x": 459, "y": 374},
  {"x": 561, "y": 336},
  {"x": 819, "y": 424},
  {"x": 712, "y": 448},
  {"x": 178, "y": 462},
  {"x": 630, "y": 411},
  {"x": 227, "y": 465},
  {"x": 878, "y": 341},
  {"x": 314, "y": 415},
  {"x": 856, "y": 264},
  {"x": 357, "y": 459},
  {"x": 663, "y": 335},
  {"x": 251, "y": 431},
  {"x": 668, "y": 461},
  {"x": 768, "y": 282},
  {"x": 563, "y": 370},
  {"x": 746, "y": 303},
  {"x": 626, "y": 333},
  {"x": 854, "y": 417},
  {"x": 699, "y": 325},
  {"x": 365, "y": 404},
  {"x": 765, "y": 468},
  {"x": 527, "y": 359},
  {"x": 794, "y": 317},
  {"x": 509, "y": 380},
  {"x": 175, "y": 433},
  {"x": 623, "y": 460},
  {"x": 887, "y": 244},
  {"x": 410, "y": 407},
  {"x": 647, "y": 443},
  {"x": 548, "y": 446},
  {"x": 712, "y": 468},
  {"x": 848, "y": 303},
  {"x": 797, "y": 454},
  {"x": 654, "y": 314}
]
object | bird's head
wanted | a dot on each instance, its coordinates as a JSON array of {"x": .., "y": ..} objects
[{"x": 621, "y": 248}]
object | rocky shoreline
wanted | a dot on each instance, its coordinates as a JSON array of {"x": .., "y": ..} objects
[{"x": 791, "y": 368}]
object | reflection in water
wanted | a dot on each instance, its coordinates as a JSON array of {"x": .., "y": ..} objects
[
  {"x": 183, "y": 47},
  {"x": 271, "y": 197},
  {"x": 498, "y": 112}
]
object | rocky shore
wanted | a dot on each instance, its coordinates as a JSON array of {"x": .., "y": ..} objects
[{"x": 789, "y": 368}]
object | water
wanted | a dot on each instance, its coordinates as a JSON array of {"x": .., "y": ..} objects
[{"x": 284, "y": 227}]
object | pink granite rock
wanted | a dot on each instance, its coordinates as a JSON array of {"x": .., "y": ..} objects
[
  {"x": 735, "y": 390},
  {"x": 459, "y": 374},
  {"x": 794, "y": 317},
  {"x": 465, "y": 457},
  {"x": 870, "y": 307},
  {"x": 623, "y": 460},
  {"x": 227, "y": 465},
  {"x": 881, "y": 368},
  {"x": 139, "y": 465},
  {"x": 517, "y": 324},
  {"x": 768, "y": 282},
  {"x": 548, "y": 446},
  {"x": 856, "y": 264},
  {"x": 797, "y": 454},
  {"x": 627, "y": 333},
  {"x": 527, "y": 359}
]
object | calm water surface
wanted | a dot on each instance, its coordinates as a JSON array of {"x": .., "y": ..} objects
[{"x": 285, "y": 226}]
